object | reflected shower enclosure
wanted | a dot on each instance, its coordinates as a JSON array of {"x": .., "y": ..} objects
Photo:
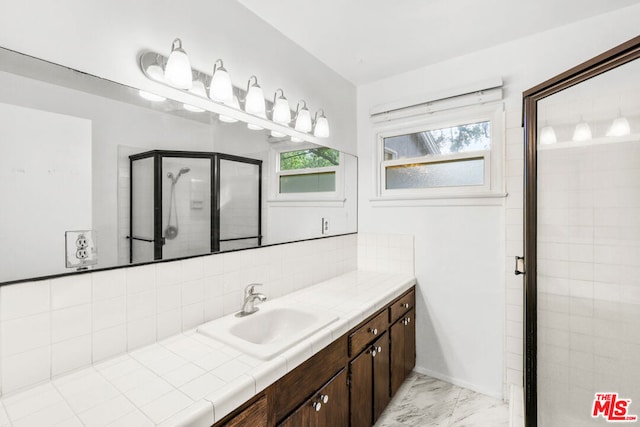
[{"x": 190, "y": 203}]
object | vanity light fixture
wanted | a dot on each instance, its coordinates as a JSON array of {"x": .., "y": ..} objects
[
  {"x": 620, "y": 126},
  {"x": 220, "y": 88},
  {"x": 303, "y": 118},
  {"x": 321, "y": 127},
  {"x": 254, "y": 102},
  {"x": 547, "y": 135},
  {"x": 193, "y": 108},
  {"x": 582, "y": 131},
  {"x": 178, "y": 72},
  {"x": 151, "y": 96}
]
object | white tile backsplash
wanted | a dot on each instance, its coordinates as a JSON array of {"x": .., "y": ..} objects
[{"x": 54, "y": 326}]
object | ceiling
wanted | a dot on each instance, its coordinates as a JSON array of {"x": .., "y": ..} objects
[{"x": 367, "y": 40}]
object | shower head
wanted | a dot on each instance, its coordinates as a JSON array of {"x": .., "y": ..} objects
[
  {"x": 183, "y": 171},
  {"x": 170, "y": 175}
]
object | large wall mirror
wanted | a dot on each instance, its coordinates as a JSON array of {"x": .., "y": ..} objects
[{"x": 94, "y": 175}]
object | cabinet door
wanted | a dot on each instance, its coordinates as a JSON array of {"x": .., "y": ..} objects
[
  {"x": 381, "y": 392},
  {"x": 329, "y": 406},
  {"x": 409, "y": 342},
  {"x": 335, "y": 403},
  {"x": 360, "y": 389},
  {"x": 398, "y": 370}
]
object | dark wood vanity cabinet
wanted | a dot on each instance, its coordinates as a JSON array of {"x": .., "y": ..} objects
[
  {"x": 347, "y": 384},
  {"x": 369, "y": 383},
  {"x": 403, "y": 349},
  {"x": 329, "y": 406}
]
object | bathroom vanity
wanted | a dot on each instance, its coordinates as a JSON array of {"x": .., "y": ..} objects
[{"x": 349, "y": 382}]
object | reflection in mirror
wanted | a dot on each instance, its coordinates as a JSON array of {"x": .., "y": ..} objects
[{"x": 152, "y": 179}]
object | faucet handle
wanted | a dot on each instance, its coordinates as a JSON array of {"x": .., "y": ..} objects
[{"x": 249, "y": 290}]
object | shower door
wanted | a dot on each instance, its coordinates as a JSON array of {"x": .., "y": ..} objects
[{"x": 582, "y": 244}]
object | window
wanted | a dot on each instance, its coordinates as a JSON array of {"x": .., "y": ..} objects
[
  {"x": 310, "y": 171},
  {"x": 445, "y": 154}
]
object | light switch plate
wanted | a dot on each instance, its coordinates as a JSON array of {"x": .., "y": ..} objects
[{"x": 80, "y": 249}]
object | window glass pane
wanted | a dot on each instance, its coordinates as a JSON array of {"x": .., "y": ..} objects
[
  {"x": 308, "y": 183},
  {"x": 311, "y": 158},
  {"x": 441, "y": 174},
  {"x": 456, "y": 139}
]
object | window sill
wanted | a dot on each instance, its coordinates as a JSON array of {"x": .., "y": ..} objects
[
  {"x": 328, "y": 203},
  {"x": 461, "y": 199}
]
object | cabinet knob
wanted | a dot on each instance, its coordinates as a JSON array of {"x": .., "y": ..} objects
[
  {"x": 379, "y": 349},
  {"x": 373, "y": 352},
  {"x": 374, "y": 331},
  {"x": 324, "y": 398},
  {"x": 408, "y": 319},
  {"x": 317, "y": 406},
  {"x": 404, "y": 321},
  {"x": 405, "y": 305}
]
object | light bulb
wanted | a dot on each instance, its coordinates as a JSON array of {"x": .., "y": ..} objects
[
  {"x": 276, "y": 134},
  {"x": 281, "y": 109},
  {"x": 254, "y": 102},
  {"x": 619, "y": 127},
  {"x": 234, "y": 103},
  {"x": 178, "y": 72},
  {"x": 321, "y": 129},
  {"x": 547, "y": 136},
  {"x": 220, "y": 89},
  {"x": 254, "y": 127},
  {"x": 582, "y": 132},
  {"x": 296, "y": 139},
  {"x": 303, "y": 118},
  {"x": 151, "y": 96}
]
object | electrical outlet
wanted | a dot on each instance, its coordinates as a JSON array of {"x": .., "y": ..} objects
[
  {"x": 80, "y": 249},
  {"x": 325, "y": 226}
]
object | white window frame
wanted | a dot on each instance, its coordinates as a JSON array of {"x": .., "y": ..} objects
[
  {"x": 312, "y": 197},
  {"x": 493, "y": 158}
]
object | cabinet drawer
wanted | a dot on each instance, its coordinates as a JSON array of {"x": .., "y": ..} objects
[
  {"x": 401, "y": 306},
  {"x": 367, "y": 333}
]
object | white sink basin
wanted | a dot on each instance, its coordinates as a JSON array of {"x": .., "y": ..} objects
[{"x": 268, "y": 332}]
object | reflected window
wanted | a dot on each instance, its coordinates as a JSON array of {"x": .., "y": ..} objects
[{"x": 312, "y": 170}]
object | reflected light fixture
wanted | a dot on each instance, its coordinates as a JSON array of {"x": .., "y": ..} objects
[
  {"x": 234, "y": 103},
  {"x": 220, "y": 88},
  {"x": 582, "y": 131},
  {"x": 198, "y": 88},
  {"x": 547, "y": 135},
  {"x": 178, "y": 72},
  {"x": 151, "y": 96},
  {"x": 620, "y": 126},
  {"x": 281, "y": 110},
  {"x": 321, "y": 127},
  {"x": 294, "y": 139},
  {"x": 303, "y": 118},
  {"x": 193, "y": 108}
]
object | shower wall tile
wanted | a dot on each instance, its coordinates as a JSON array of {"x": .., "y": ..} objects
[{"x": 50, "y": 327}]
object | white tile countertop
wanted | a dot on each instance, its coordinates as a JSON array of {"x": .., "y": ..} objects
[{"x": 190, "y": 379}]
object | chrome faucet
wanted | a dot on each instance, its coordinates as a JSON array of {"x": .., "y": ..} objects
[{"x": 250, "y": 296}]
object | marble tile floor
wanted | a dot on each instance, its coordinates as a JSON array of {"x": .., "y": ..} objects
[{"x": 423, "y": 401}]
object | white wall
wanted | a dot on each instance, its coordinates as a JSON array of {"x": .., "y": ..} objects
[
  {"x": 106, "y": 38},
  {"x": 464, "y": 255}
]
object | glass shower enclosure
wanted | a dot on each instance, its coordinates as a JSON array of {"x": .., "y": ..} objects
[
  {"x": 582, "y": 244},
  {"x": 187, "y": 203}
]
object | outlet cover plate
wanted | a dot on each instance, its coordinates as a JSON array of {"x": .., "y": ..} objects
[{"x": 80, "y": 248}]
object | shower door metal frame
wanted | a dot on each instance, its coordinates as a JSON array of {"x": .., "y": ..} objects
[
  {"x": 607, "y": 61},
  {"x": 158, "y": 173}
]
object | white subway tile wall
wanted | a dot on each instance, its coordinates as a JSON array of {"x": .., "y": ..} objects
[
  {"x": 386, "y": 252},
  {"x": 52, "y": 327},
  {"x": 514, "y": 167}
]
